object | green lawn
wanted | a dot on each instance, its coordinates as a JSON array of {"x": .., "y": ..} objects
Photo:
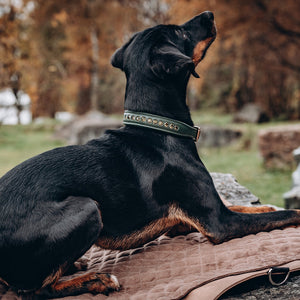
[
  {"x": 242, "y": 159},
  {"x": 247, "y": 168},
  {"x": 18, "y": 143}
]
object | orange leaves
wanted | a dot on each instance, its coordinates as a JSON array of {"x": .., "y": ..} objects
[
  {"x": 255, "y": 56},
  {"x": 59, "y": 18}
]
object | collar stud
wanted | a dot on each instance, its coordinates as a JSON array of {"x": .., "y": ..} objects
[{"x": 160, "y": 123}]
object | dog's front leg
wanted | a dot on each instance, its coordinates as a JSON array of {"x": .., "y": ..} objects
[
  {"x": 226, "y": 224},
  {"x": 89, "y": 283},
  {"x": 207, "y": 214}
]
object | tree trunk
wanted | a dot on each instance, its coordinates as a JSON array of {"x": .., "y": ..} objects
[
  {"x": 94, "y": 70},
  {"x": 15, "y": 86}
]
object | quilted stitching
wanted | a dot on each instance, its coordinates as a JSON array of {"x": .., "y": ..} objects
[{"x": 168, "y": 268}]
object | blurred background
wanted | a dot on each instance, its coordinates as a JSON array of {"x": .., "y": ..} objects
[{"x": 55, "y": 66}]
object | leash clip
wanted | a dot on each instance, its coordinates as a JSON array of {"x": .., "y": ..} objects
[
  {"x": 278, "y": 271},
  {"x": 198, "y": 133}
]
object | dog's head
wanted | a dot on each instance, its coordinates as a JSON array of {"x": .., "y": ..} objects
[{"x": 167, "y": 50}]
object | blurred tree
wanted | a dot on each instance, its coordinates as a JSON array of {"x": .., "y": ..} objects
[
  {"x": 12, "y": 53},
  {"x": 95, "y": 29},
  {"x": 69, "y": 47},
  {"x": 47, "y": 35},
  {"x": 8, "y": 46},
  {"x": 255, "y": 57},
  {"x": 73, "y": 43},
  {"x": 59, "y": 52}
]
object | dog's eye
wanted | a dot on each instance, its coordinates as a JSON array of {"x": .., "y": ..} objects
[
  {"x": 182, "y": 34},
  {"x": 178, "y": 32},
  {"x": 186, "y": 35}
]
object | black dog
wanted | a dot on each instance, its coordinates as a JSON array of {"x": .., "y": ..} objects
[{"x": 129, "y": 186}]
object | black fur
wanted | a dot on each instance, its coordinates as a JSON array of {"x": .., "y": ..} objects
[{"x": 50, "y": 204}]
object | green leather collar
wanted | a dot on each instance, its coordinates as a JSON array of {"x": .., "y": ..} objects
[{"x": 161, "y": 124}]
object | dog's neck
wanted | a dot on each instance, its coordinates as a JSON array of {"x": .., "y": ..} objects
[{"x": 167, "y": 99}]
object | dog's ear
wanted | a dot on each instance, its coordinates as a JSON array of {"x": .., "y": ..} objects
[
  {"x": 117, "y": 59},
  {"x": 169, "y": 60}
]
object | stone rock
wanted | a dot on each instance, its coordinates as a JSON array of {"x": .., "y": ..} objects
[
  {"x": 257, "y": 288},
  {"x": 276, "y": 145},
  {"x": 86, "y": 127},
  {"x": 251, "y": 113},
  {"x": 215, "y": 136},
  {"x": 296, "y": 173},
  {"x": 292, "y": 197},
  {"x": 261, "y": 288},
  {"x": 228, "y": 188}
]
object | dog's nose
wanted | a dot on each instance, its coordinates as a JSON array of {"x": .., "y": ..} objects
[
  {"x": 206, "y": 18},
  {"x": 209, "y": 15}
]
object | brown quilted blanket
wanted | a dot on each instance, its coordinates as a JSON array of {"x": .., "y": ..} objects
[{"x": 169, "y": 268}]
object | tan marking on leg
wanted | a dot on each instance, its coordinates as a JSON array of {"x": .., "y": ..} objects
[
  {"x": 251, "y": 209},
  {"x": 92, "y": 282},
  {"x": 54, "y": 277},
  {"x": 137, "y": 238},
  {"x": 183, "y": 219},
  {"x": 199, "y": 50},
  {"x": 175, "y": 217},
  {"x": 97, "y": 283}
]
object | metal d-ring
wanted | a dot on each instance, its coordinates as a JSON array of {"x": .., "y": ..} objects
[{"x": 278, "y": 271}]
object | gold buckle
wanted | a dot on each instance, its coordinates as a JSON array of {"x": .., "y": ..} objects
[{"x": 198, "y": 133}]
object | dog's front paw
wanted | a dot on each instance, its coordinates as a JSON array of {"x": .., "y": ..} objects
[
  {"x": 94, "y": 283},
  {"x": 102, "y": 283}
]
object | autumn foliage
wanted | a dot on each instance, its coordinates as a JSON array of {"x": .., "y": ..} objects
[{"x": 59, "y": 52}]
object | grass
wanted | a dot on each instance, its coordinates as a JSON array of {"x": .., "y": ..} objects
[
  {"x": 242, "y": 159},
  {"x": 211, "y": 116},
  {"x": 18, "y": 143},
  {"x": 246, "y": 166}
]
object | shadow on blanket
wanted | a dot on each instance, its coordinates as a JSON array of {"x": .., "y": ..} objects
[{"x": 169, "y": 268}]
